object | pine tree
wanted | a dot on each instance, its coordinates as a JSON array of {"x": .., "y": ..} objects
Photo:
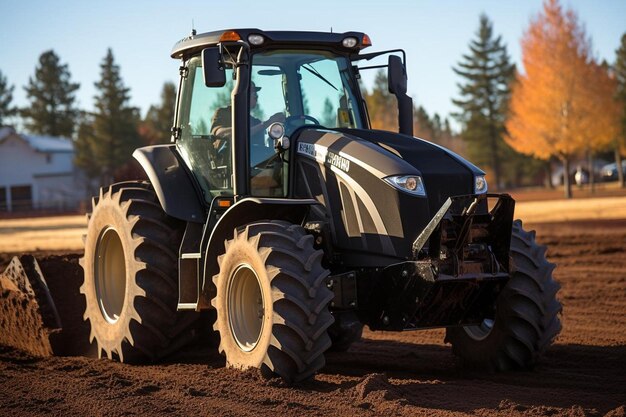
[
  {"x": 52, "y": 95},
  {"x": 156, "y": 127},
  {"x": 113, "y": 137},
  {"x": 84, "y": 154},
  {"x": 329, "y": 114},
  {"x": 382, "y": 106},
  {"x": 437, "y": 127},
  {"x": 483, "y": 104},
  {"x": 6, "y": 97},
  {"x": 620, "y": 77},
  {"x": 423, "y": 127}
]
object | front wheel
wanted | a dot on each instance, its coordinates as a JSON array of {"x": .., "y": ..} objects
[
  {"x": 527, "y": 313},
  {"x": 272, "y": 301}
]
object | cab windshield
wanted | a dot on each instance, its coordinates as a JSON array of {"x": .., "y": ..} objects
[
  {"x": 309, "y": 87},
  {"x": 293, "y": 87}
]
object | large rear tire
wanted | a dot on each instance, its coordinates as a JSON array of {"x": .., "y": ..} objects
[
  {"x": 130, "y": 285},
  {"x": 527, "y": 313},
  {"x": 272, "y": 301}
]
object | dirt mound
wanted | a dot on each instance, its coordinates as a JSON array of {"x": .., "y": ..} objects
[
  {"x": 42, "y": 317},
  {"x": 372, "y": 383},
  {"x": 27, "y": 315},
  {"x": 375, "y": 393},
  {"x": 618, "y": 412}
]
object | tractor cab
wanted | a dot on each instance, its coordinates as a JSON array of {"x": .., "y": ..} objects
[{"x": 244, "y": 93}]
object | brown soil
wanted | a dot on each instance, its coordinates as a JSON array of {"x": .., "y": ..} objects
[
  {"x": 413, "y": 373},
  {"x": 21, "y": 316}
]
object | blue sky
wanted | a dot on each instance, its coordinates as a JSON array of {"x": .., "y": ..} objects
[{"x": 141, "y": 33}]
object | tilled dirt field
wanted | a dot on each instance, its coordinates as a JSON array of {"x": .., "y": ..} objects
[{"x": 584, "y": 373}]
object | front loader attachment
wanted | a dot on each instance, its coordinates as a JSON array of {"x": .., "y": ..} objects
[{"x": 460, "y": 265}]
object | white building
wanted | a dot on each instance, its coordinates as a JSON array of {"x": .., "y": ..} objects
[{"x": 38, "y": 172}]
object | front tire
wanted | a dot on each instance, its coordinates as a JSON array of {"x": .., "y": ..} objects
[
  {"x": 527, "y": 313},
  {"x": 130, "y": 270},
  {"x": 272, "y": 301}
]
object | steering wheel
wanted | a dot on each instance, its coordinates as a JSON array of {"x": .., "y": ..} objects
[
  {"x": 292, "y": 120},
  {"x": 222, "y": 153}
]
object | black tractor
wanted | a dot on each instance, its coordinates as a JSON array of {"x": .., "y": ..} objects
[{"x": 280, "y": 211}]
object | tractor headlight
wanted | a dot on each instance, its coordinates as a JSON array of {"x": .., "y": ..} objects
[
  {"x": 411, "y": 184},
  {"x": 480, "y": 184},
  {"x": 350, "y": 42},
  {"x": 255, "y": 39}
]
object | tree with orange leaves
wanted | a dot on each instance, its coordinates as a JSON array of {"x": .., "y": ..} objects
[
  {"x": 620, "y": 96},
  {"x": 550, "y": 108},
  {"x": 603, "y": 123}
]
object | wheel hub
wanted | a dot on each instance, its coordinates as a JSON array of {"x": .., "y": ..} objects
[
  {"x": 110, "y": 274},
  {"x": 245, "y": 307},
  {"x": 481, "y": 331}
]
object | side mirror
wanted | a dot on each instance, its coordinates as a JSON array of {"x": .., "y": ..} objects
[
  {"x": 396, "y": 76},
  {"x": 397, "y": 86},
  {"x": 212, "y": 67}
]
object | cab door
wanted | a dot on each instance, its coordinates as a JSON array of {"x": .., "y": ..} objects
[{"x": 207, "y": 156}]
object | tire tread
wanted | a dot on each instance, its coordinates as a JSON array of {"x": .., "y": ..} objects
[
  {"x": 528, "y": 312},
  {"x": 154, "y": 326}
]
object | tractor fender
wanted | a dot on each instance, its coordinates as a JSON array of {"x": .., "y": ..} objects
[
  {"x": 243, "y": 212},
  {"x": 173, "y": 183}
]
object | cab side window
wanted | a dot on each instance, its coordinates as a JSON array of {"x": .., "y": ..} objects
[{"x": 207, "y": 156}]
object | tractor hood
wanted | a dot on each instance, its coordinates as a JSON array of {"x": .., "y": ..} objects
[
  {"x": 444, "y": 173},
  {"x": 413, "y": 150}
]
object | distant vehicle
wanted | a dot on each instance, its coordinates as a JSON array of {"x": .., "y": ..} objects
[
  {"x": 598, "y": 169},
  {"x": 609, "y": 171}
]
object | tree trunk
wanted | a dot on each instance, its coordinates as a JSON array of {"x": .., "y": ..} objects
[
  {"x": 567, "y": 186},
  {"x": 496, "y": 160},
  {"x": 618, "y": 166}
]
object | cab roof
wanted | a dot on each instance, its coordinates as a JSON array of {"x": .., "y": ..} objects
[{"x": 193, "y": 44}]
